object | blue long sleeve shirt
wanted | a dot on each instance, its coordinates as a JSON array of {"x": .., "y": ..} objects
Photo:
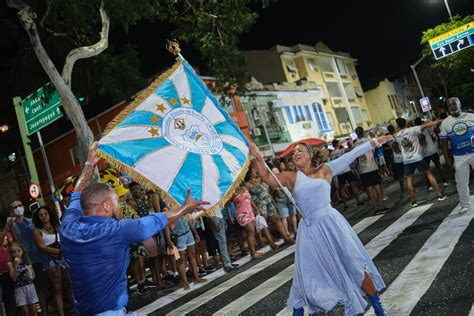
[{"x": 95, "y": 249}]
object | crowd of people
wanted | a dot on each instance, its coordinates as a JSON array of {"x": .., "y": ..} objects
[{"x": 34, "y": 273}]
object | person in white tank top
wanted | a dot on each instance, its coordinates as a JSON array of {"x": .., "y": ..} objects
[{"x": 46, "y": 237}]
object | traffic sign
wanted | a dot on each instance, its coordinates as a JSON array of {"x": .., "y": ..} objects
[
  {"x": 453, "y": 41},
  {"x": 425, "y": 104},
  {"x": 34, "y": 191},
  {"x": 41, "y": 108}
]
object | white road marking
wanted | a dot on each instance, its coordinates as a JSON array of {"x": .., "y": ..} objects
[
  {"x": 366, "y": 222},
  {"x": 165, "y": 300},
  {"x": 258, "y": 293},
  {"x": 412, "y": 283},
  {"x": 244, "y": 275},
  {"x": 471, "y": 313},
  {"x": 376, "y": 245}
]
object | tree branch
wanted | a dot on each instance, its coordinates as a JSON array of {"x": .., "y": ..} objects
[{"x": 88, "y": 51}]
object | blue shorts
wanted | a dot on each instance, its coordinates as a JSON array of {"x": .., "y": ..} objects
[
  {"x": 283, "y": 209},
  {"x": 184, "y": 241},
  {"x": 410, "y": 168}
]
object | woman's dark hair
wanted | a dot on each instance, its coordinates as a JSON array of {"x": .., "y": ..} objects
[
  {"x": 248, "y": 175},
  {"x": 53, "y": 217}
]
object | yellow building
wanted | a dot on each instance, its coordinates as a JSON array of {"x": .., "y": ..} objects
[
  {"x": 335, "y": 72},
  {"x": 383, "y": 103}
]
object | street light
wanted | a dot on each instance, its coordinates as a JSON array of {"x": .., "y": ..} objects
[{"x": 449, "y": 10}]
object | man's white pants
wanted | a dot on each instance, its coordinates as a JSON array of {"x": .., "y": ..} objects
[{"x": 462, "y": 166}]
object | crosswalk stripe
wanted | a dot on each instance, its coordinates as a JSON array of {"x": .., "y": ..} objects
[
  {"x": 215, "y": 291},
  {"x": 471, "y": 313},
  {"x": 376, "y": 245},
  {"x": 366, "y": 222},
  {"x": 258, "y": 293},
  {"x": 412, "y": 283},
  {"x": 382, "y": 240},
  {"x": 165, "y": 300}
]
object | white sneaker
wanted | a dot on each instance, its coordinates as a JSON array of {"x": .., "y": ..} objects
[
  {"x": 446, "y": 183},
  {"x": 385, "y": 198},
  {"x": 430, "y": 189},
  {"x": 463, "y": 210},
  {"x": 442, "y": 198}
]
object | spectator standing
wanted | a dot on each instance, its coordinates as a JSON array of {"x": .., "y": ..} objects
[
  {"x": 6, "y": 283},
  {"x": 397, "y": 165},
  {"x": 22, "y": 274},
  {"x": 458, "y": 129},
  {"x": 23, "y": 229},
  {"x": 369, "y": 174},
  {"x": 218, "y": 227},
  {"x": 46, "y": 237},
  {"x": 413, "y": 157}
]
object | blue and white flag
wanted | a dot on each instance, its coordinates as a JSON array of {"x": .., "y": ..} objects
[{"x": 176, "y": 135}]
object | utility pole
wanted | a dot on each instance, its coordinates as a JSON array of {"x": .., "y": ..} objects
[{"x": 26, "y": 144}]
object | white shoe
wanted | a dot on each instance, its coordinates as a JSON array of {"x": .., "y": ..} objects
[
  {"x": 463, "y": 210},
  {"x": 385, "y": 198},
  {"x": 446, "y": 183},
  {"x": 430, "y": 189},
  {"x": 442, "y": 197}
]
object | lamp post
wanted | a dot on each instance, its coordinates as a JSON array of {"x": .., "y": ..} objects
[
  {"x": 449, "y": 10},
  {"x": 418, "y": 80}
]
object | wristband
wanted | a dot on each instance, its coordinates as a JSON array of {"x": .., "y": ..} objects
[{"x": 89, "y": 164}]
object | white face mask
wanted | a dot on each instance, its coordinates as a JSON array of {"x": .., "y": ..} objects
[{"x": 19, "y": 211}]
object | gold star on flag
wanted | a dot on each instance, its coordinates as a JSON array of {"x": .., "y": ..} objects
[
  {"x": 173, "y": 101},
  {"x": 153, "y": 131},
  {"x": 160, "y": 107},
  {"x": 185, "y": 100},
  {"x": 155, "y": 119}
]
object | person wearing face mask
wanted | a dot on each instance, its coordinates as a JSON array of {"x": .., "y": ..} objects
[
  {"x": 458, "y": 129},
  {"x": 95, "y": 244},
  {"x": 23, "y": 229},
  {"x": 331, "y": 264}
]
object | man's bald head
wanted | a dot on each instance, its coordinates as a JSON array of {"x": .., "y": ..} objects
[{"x": 94, "y": 196}]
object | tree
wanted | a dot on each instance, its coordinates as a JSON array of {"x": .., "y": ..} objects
[
  {"x": 213, "y": 26},
  {"x": 454, "y": 71}
]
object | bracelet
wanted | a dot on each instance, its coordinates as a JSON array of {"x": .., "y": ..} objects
[{"x": 89, "y": 164}]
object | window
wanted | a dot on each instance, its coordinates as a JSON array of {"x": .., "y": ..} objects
[
  {"x": 312, "y": 64},
  {"x": 356, "y": 114},
  {"x": 341, "y": 115},
  {"x": 320, "y": 117},
  {"x": 291, "y": 67},
  {"x": 330, "y": 119},
  {"x": 348, "y": 88},
  {"x": 309, "y": 117},
  {"x": 288, "y": 114},
  {"x": 300, "y": 111},
  {"x": 391, "y": 99},
  {"x": 364, "y": 115},
  {"x": 333, "y": 89},
  {"x": 325, "y": 64},
  {"x": 341, "y": 66},
  {"x": 297, "y": 114}
]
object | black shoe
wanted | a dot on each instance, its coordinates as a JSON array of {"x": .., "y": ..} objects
[
  {"x": 210, "y": 269},
  {"x": 148, "y": 284},
  {"x": 176, "y": 280},
  {"x": 235, "y": 265},
  {"x": 229, "y": 269},
  {"x": 141, "y": 288}
]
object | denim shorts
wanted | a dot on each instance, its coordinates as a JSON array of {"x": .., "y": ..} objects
[
  {"x": 283, "y": 209},
  {"x": 184, "y": 241}
]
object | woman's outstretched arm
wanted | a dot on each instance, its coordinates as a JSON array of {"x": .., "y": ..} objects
[{"x": 338, "y": 165}]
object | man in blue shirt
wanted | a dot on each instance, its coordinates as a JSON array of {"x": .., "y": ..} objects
[
  {"x": 458, "y": 128},
  {"x": 95, "y": 245}
]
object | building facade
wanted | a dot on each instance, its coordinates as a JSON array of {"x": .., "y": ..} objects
[
  {"x": 333, "y": 72},
  {"x": 383, "y": 103},
  {"x": 279, "y": 114}
]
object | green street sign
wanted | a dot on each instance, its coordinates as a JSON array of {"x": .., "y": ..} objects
[
  {"x": 41, "y": 108},
  {"x": 453, "y": 41}
]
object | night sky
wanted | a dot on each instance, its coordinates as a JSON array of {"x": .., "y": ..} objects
[{"x": 383, "y": 35}]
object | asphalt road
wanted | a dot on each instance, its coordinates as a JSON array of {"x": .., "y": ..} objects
[{"x": 425, "y": 255}]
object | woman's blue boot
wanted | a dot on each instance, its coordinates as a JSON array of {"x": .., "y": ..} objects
[{"x": 377, "y": 305}]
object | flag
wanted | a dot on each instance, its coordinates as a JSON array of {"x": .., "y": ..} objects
[{"x": 176, "y": 135}]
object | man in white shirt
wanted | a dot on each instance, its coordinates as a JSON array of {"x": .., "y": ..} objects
[
  {"x": 369, "y": 174},
  {"x": 397, "y": 165},
  {"x": 413, "y": 156},
  {"x": 458, "y": 128},
  {"x": 429, "y": 149}
]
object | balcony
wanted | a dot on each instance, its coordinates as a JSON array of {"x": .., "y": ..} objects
[
  {"x": 337, "y": 102},
  {"x": 329, "y": 76}
]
